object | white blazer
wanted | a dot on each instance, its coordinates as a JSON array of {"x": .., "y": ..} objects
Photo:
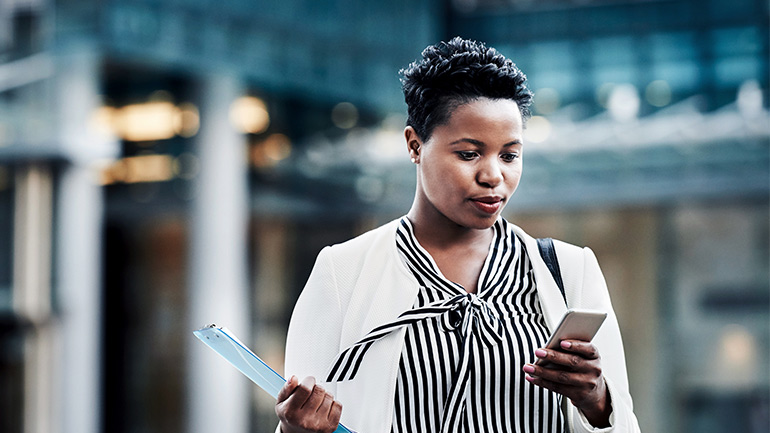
[{"x": 362, "y": 283}]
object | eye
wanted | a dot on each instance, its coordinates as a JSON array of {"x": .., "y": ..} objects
[
  {"x": 466, "y": 155},
  {"x": 509, "y": 157}
]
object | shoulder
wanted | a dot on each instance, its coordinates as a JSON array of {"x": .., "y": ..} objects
[
  {"x": 367, "y": 239},
  {"x": 376, "y": 241},
  {"x": 532, "y": 243}
]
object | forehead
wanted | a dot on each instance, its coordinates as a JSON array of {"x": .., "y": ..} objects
[{"x": 484, "y": 115}]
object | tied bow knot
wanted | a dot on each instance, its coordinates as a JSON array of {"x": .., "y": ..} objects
[
  {"x": 470, "y": 313},
  {"x": 465, "y": 313}
]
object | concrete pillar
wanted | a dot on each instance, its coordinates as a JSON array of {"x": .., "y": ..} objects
[
  {"x": 78, "y": 282},
  {"x": 218, "y": 395},
  {"x": 78, "y": 231}
]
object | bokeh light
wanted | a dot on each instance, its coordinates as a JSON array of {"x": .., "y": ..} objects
[
  {"x": 345, "y": 115},
  {"x": 249, "y": 114},
  {"x": 538, "y": 129},
  {"x": 658, "y": 93}
]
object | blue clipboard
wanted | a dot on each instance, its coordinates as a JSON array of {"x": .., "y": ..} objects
[{"x": 241, "y": 357}]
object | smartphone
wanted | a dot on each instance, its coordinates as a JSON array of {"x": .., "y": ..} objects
[{"x": 576, "y": 324}]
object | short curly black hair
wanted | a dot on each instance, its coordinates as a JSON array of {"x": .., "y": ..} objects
[{"x": 454, "y": 73}]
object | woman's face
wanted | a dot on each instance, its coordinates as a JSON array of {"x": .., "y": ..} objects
[{"x": 470, "y": 167}]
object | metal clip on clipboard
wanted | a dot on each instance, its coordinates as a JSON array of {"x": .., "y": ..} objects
[{"x": 241, "y": 357}]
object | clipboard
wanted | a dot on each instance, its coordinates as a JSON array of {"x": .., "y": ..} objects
[{"x": 227, "y": 345}]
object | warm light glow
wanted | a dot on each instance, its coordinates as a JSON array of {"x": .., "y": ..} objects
[
  {"x": 738, "y": 347},
  {"x": 102, "y": 120},
  {"x": 249, "y": 114},
  {"x": 270, "y": 151},
  {"x": 345, "y": 115},
  {"x": 146, "y": 122},
  {"x": 538, "y": 129},
  {"x": 136, "y": 169},
  {"x": 150, "y": 121},
  {"x": 188, "y": 121}
]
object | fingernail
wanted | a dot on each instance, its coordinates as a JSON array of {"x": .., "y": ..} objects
[
  {"x": 530, "y": 379},
  {"x": 529, "y": 369},
  {"x": 540, "y": 353},
  {"x": 566, "y": 344}
]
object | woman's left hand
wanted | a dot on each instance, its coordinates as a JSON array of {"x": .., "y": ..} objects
[{"x": 576, "y": 373}]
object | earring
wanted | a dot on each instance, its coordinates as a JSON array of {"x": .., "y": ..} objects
[{"x": 414, "y": 160}]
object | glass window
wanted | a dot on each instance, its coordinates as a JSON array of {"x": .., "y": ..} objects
[
  {"x": 553, "y": 55},
  {"x": 613, "y": 51},
  {"x": 681, "y": 76},
  {"x": 731, "y": 72},
  {"x": 673, "y": 46},
  {"x": 553, "y": 65},
  {"x": 616, "y": 74},
  {"x": 734, "y": 41}
]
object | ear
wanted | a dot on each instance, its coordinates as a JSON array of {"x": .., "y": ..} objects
[{"x": 413, "y": 144}]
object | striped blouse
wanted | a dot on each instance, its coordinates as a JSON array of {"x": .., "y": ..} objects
[
  {"x": 460, "y": 367},
  {"x": 461, "y": 371}
]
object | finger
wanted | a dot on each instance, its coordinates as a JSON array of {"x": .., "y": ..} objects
[
  {"x": 581, "y": 394},
  {"x": 326, "y": 405},
  {"x": 316, "y": 399},
  {"x": 335, "y": 412},
  {"x": 287, "y": 389},
  {"x": 559, "y": 388},
  {"x": 570, "y": 361},
  {"x": 583, "y": 348},
  {"x": 554, "y": 375},
  {"x": 302, "y": 393}
]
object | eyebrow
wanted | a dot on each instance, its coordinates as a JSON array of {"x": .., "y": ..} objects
[{"x": 481, "y": 143}]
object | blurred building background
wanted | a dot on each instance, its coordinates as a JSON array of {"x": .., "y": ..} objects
[{"x": 167, "y": 164}]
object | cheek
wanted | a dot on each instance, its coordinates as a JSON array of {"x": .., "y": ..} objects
[{"x": 514, "y": 175}]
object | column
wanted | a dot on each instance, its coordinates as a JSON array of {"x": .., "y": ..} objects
[
  {"x": 78, "y": 233},
  {"x": 218, "y": 395}
]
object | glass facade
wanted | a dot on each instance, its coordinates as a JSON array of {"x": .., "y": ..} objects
[{"x": 649, "y": 144}]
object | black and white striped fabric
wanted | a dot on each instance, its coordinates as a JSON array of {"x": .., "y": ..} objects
[{"x": 460, "y": 368}]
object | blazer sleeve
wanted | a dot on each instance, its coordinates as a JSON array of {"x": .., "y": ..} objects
[
  {"x": 313, "y": 338},
  {"x": 610, "y": 345}
]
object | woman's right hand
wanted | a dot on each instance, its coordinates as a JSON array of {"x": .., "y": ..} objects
[{"x": 304, "y": 407}]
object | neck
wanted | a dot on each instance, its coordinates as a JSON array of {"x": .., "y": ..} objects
[{"x": 434, "y": 230}]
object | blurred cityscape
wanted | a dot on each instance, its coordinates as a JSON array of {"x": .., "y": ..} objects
[{"x": 169, "y": 164}]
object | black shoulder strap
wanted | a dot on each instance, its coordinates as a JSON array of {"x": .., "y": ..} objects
[{"x": 548, "y": 253}]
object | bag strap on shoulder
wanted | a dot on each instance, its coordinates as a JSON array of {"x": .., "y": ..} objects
[{"x": 548, "y": 253}]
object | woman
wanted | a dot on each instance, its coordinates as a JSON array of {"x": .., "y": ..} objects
[{"x": 433, "y": 321}]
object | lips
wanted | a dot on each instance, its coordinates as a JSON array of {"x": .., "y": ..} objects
[{"x": 488, "y": 204}]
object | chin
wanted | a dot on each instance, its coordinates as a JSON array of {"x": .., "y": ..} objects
[{"x": 480, "y": 223}]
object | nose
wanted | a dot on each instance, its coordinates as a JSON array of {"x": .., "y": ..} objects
[{"x": 490, "y": 173}]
